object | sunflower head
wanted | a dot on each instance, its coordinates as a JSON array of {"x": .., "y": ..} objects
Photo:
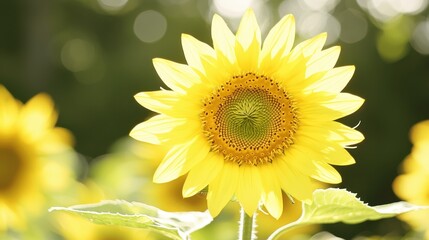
[
  {"x": 33, "y": 152},
  {"x": 251, "y": 119}
]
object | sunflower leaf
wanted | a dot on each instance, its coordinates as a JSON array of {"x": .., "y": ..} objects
[
  {"x": 339, "y": 205},
  {"x": 175, "y": 225}
]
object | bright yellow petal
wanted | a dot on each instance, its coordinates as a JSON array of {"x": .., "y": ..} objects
[
  {"x": 345, "y": 104},
  {"x": 196, "y": 52},
  {"x": 333, "y": 131},
  {"x": 420, "y": 132},
  {"x": 309, "y": 47},
  {"x": 293, "y": 182},
  {"x": 248, "y": 30},
  {"x": 323, "y": 60},
  {"x": 223, "y": 39},
  {"x": 249, "y": 188},
  {"x": 202, "y": 174},
  {"x": 36, "y": 116},
  {"x": 248, "y": 44},
  {"x": 310, "y": 164},
  {"x": 334, "y": 80},
  {"x": 279, "y": 40},
  {"x": 291, "y": 74},
  {"x": 168, "y": 102},
  {"x": 329, "y": 151},
  {"x": 178, "y": 77},
  {"x": 150, "y": 130},
  {"x": 272, "y": 194},
  {"x": 8, "y": 111},
  {"x": 222, "y": 188},
  {"x": 323, "y": 106},
  {"x": 180, "y": 159},
  {"x": 55, "y": 141}
]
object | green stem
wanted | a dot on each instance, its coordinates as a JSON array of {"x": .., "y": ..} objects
[
  {"x": 275, "y": 235},
  {"x": 247, "y": 225}
]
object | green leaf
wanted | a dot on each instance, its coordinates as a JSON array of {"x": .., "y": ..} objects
[
  {"x": 175, "y": 225},
  {"x": 339, "y": 205}
]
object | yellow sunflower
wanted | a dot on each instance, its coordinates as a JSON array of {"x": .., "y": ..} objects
[
  {"x": 249, "y": 119},
  {"x": 413, "y": 184},
  {"x": 29, "y": 142}
]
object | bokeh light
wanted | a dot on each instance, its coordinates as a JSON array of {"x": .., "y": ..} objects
[
  {"x": 112, "y": 5},
  {"x": 317, "y": 22},
  {"x": 420, "y": 37},
  {"x": 232, "y": 9},
  {"x": 385, "y": 10},
  {"x": 150, "y": 26},
  {"x": 320, "y": 5},
  {"x": 313, "y": 17},
  {"x": 354, "y": 26},
  {"x": 78, "y": 54}
]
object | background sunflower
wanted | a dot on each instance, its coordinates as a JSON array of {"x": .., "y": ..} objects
[{"x": 33, "y": 152}]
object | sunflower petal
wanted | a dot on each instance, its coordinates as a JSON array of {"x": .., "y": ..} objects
[
  {"x": 293, "y": 182},
  {"x": 202, "y": 174},
  {"x": 323, "y": 60},
  {"x": 279, "y": 40},
  {"x": 248, "y": 45},
  {"x": 345, "y": 104},
  {"x": 248, "y": 31},
  {"x": 334, "y": 131},
  {"x": 307, "y": 163},
  {"x": 309, "y": 47},
  {"x": 176, "y": 76},
  {"x": 36, "y": 116},
  {"x": 223, "y": 38},
  {"x": 180, "y": 159},
  {"x": 8, "y": 111},
  {"x": 167, "y": 102},
  {"x": 329, "y": 151},
  {"x": 196, "y": 51},
  {"x": 54, "y": 141},
  {"x": 325, "y": 106},
  {"x": 149, "y": 130},
  {"x": 335, "y": 80},
  {"x": 222, "y": 188},
  {"x": 249, "y": 189},
  {"x": 272, "y": 194}
]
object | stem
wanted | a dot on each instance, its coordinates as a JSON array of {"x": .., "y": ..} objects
[
  {"x": 247, "y": 226},
  {"x": 276, "y": 234}
]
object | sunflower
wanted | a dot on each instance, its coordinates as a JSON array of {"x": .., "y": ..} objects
[
  {"x": 249, "y": 119},
  {"x": 29, "y": 146},
  {"x": 413, "y": 184}
]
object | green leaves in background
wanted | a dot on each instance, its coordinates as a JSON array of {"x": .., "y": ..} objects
[
  {"x": 175, "y": 225},
  {"x": 339, "y": 205}
]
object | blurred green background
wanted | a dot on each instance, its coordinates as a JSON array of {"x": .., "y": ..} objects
[{"x": 92, "y": 56}]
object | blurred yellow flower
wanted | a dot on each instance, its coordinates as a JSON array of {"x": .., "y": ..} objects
[
  {"x": 413, "y": 184},
  {"x": 34, "y": 157},
  {"x": 251, "y": 120}
]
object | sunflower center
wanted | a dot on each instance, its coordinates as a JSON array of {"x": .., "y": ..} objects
[
  {"x": 250, "y": 119},
  {"x": 10, "y": 166}
]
